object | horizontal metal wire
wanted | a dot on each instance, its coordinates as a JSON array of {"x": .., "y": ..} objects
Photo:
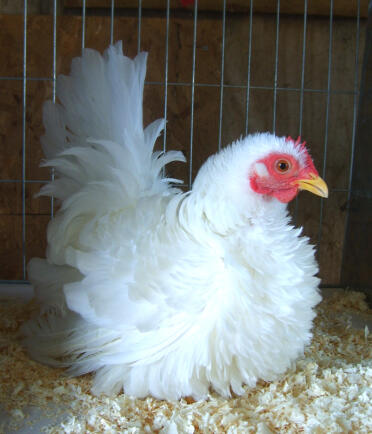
[
  {"x": 217, "y": 85},
  {"x": 244, "y": 86},
  {"x": 27, "y": 78},
  {"x": 27, "y": 282},
  {"x": 39, "y": 181},
  {"x": 27, "y": 181}
]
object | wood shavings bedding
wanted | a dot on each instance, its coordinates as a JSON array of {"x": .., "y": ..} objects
[{"x": 328, "y": 390}]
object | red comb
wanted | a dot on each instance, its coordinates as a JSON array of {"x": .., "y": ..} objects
[
  {"x": 187, "y": 2},
  {"x": 308, "y": 160}
]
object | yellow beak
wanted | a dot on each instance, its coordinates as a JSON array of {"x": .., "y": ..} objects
[{"x": 315, "y": 185}]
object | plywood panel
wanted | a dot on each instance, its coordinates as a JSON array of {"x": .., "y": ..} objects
[
  {"x": 36, "y": 226},
  {"x": 37, "y": 92},
  {"x": 39, "y": 46},
  {"x": 315, "y": 7},
  {"x": 10, "y": 198},
  {"x": 10, "y": 129},
  {"x": 356, "y": 267},
  {"x": 332, "y": 234},
  {"x": 11, "y": 40},
  {"x": 292, "y": 7},
  {"x": 11, "y": 247},
  {"x": 10, "y": 231},
  {"x": 33, "y": 6}
]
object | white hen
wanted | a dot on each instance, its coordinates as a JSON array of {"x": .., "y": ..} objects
[{"x": 162, "y": 292}]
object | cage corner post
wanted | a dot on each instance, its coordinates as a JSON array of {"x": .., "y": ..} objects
[{"x": 356, "y": 272}]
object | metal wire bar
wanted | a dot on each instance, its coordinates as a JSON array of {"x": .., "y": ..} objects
[
  {"x": 45, "y": 181},
  {"x": 28, "y": 78},
  {"x": 244, "y": 86},
  {"x": 54, "y": 78},
  {"x": 247, "y": 95},
  {"x": 321, "y": 211},
  {"x": 83, "y": 22},
  {"x": 355, "y": 103},
  {"x": 301, "y": 93},
  {"x": 235, "y": 86},
  {"x": 54, "y": 70},
  {"x": 27, "y": 181},
  {"x": 24, "y": 102},
  {"x": 193, "y": 91},
  {"x": 276, "y": 62},
  {"x": 166, "y": 77},
  {"x": 112, "y": 19},
  {"x": 139, "y": 25},
  {"x": 222, "y": 73},
  {"x": 355, "y": 114},
  {"x": 303, "y": 69}
]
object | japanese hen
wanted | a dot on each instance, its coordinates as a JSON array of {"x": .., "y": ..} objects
[{"x": 158, "y": 291}]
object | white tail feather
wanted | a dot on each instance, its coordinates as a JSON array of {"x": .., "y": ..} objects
[
  {"x": 96, "y": 134},
  {"x": 94, "y": 139}
]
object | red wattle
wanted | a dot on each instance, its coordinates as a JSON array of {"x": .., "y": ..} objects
[{"x": 285, "y": 196}]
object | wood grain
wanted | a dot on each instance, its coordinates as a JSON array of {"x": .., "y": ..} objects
[
  {"x": 292, "y": 7},
  {"x": 356, "y": 266}
]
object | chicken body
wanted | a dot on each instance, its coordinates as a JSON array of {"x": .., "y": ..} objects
[{"x": 162, "y": 292}]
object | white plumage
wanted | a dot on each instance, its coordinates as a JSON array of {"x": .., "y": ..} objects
[{"x": 162, "y": 292}]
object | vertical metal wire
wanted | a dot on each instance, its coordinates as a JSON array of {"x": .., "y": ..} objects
[
  {"x": 54, "y": 78},
  {"x": 327, "y": 114},
  {"x": 302, "y": 92},
  {"x": 355, "y": 114},
  {"x": 249, "y": 66},
  {"x": 193, "y": 91},
  {"x": 54, "y": 70},
  {"x": 303, "y": 69},
  {"x": 166, "y": 77},
  {"x": 24, "y": 101},
  {"x": 139, "y": 25},
  {"x": 222, "y": 73},
  {"x": 276, "y": 63},
  {"x": 83, "y": 13},
  {"x": 112, "y": 21},
  {"x": 355, "y": 104}
]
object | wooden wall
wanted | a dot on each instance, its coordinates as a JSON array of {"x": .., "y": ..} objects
[
  {"x": 356, "y": 266},
  {"x": 207, "y": 100}
]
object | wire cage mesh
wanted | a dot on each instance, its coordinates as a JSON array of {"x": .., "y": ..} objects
[{"x": 217, "y": 70}]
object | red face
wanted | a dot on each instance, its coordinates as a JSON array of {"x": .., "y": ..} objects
[{"x": 281, "y": 175}]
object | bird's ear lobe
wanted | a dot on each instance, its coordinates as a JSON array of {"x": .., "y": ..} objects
[{"x": 261, "y": 169}]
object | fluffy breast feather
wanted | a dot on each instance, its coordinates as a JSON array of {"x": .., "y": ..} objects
[{"x": 175, "y": 310}]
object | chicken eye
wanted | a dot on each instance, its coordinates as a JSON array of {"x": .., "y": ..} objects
[{"x": 282, "y": 166}]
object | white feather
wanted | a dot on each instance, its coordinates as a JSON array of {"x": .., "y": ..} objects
[{"x": 161, "y": 292}]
